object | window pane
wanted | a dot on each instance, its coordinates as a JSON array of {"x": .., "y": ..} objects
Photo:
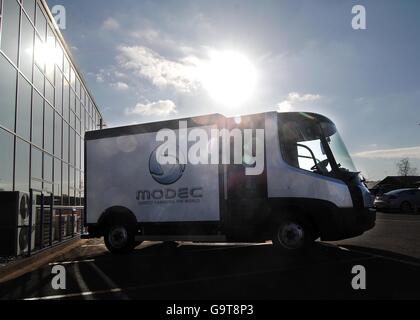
[
  {"x": 50, "y": 64},
  {"x": 65, "y": 142},
  {"x": 6, "y": 160},
  {"x": 22, "y": 166},
  {"x": 29, "y": 6},
  {"x": 49, "y": 92},
  {"x": 72, "y": 146},
  {"x": 57, "y": 178},
  {"x": 78, "y": 107},
  {"x": 71, "y": 184},
  {"x": 82, "y": 122},
  {"x": 41, "y": 23},
  {"x": 77, "y": 151},
  {"x": 39, "y": 80},
  {"x": 77, "y": 87},
  {"x": 77, "y": 179},
  {"x": 83, "y": 98},
  {"x": 57, "y": 135},
  {"x": 66, "y": 101},
  {"x": 77, "y": 127},
  {"x": 66, "y": 70},
  {"x": 39, "y": 52},
  {"x": 72, "y": 78},
  {"x": 24, "y": 108},
  {"x": 71, "y": 120},
  {"x": 7, "y": 93},
  {"x": 48, "y": 160},
  {"x": 37, "y": 119},
  {"x": 65, "y": 183},
  {"x": 48, "y": 173},
  {"x": 26, "y": 47},
  {"x": 58, "y": 91},
  {"x": 48, "y": 128},
  {"x": 10, "y": 32},
  {"x": 72, "y": 100},
  {"x": 36, "y": 168},
  {"x": 59, "y": 52}
]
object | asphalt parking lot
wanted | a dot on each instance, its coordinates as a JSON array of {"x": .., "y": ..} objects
[{"x": 390, "y": 254}]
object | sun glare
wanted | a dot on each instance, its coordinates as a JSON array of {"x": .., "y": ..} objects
[
  {"x": 46, "y": 53},
  {"x": 229, "y": 77}
]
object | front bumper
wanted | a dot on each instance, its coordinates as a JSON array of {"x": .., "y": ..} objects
[{"x": 346, "y": 223}]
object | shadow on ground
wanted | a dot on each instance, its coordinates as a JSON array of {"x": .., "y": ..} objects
[{"x": 238, "y": 271}]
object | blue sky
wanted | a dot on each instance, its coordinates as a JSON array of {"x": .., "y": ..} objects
[{"x": 140, "y": 58}]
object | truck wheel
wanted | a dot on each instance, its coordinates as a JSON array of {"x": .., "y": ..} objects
[
  {"x": 119, "y": 239},
  {"x": 293, "y": 235}
]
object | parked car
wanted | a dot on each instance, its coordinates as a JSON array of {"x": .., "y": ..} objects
[{"x": 403, "y": 200}]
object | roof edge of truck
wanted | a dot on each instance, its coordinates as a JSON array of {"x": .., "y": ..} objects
[
  {"x": 153, "y": 126},
  {"x": 201, "y": 120}
]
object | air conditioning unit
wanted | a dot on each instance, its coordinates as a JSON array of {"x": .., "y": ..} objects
[
  {"x": 14, "y": 223},
  {"x": 22, "y": 240}
]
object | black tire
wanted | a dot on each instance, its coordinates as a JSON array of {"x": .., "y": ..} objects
[
  {"x": 405, "y": 207},
  {"x": 293, "y": 235},
  {"x": 119, "y": 238}
]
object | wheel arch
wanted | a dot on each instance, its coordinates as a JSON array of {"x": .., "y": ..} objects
[
  {"x": 316, "y": 212},
  {"x": 115, "y": 215}
]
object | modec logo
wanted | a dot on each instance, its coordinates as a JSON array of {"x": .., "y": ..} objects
[{"x": 165, "y": 173}]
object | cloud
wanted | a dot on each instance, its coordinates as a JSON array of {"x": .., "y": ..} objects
[
  {"x": 147, "y": 34},
  {"x": 122, "y": 86},
  {"x": 158, "y": 108},
  {"x": 110, "y": 24},
  {"x": 294, "y": 98},
  {"x": 396, "y": 153},
  {"x": 157, "y": 40},
  {"x": 182, "y": 75}
]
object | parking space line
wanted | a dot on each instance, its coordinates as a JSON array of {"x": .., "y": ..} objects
[
  {"x": 77, "y": 294},
  {"x": 81, "y": 281},
  {"x": 70, "y": 262},
  {"x": 225, "y": 247},
  {"x": 107, "y": 280},
  {"x": 93, "y": 245}
]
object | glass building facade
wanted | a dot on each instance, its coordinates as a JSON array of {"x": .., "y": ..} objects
[{"x": 45, "y": 107}]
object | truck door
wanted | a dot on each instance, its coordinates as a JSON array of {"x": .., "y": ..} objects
[{"x": 245, "y": 194}]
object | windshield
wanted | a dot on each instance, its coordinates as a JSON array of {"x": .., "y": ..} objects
[
  {"x": 338, "y": 148},
  {"x": 341, "y": 155}
]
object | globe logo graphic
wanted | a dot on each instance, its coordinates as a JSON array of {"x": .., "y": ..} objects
[{"x": 165, "y": 173}]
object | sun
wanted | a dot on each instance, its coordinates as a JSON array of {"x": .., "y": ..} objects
[{"x": 229, "y": 77}]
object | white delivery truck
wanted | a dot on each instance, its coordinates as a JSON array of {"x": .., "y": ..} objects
[{"x": 306, "y": 188}]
